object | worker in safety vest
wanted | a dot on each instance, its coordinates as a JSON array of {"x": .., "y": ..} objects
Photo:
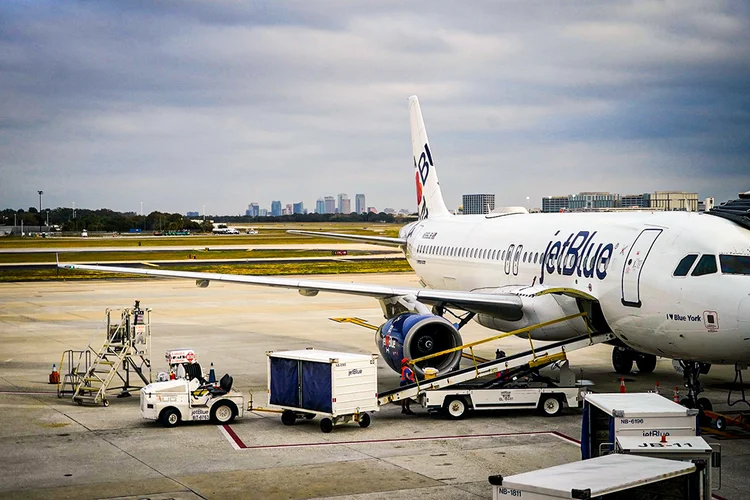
[{"x": 407, "y": 377}]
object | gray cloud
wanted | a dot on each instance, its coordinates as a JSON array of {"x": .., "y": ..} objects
[{"x": 185, "y": 104}]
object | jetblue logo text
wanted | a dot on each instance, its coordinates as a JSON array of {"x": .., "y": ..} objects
[
  {"x": 424, "y": 164},
  {"x": 355, "y": 371},
  {"x": 579, "y": 254}
]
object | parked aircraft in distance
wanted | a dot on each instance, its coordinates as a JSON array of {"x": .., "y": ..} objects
[{"x": 672, "y": 284}]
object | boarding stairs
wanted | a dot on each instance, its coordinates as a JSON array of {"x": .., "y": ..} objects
[
  {"x": 123, "y": 361},
  {"x": 533, "y": 358}
]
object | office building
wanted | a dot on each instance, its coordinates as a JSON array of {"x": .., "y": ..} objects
[
  {"x": 554, "y": 203},
  {"x": 193, "y": 214},
  {"x": 588, "y": 200},
  {"x": 359, "y": 203},
  {"x": 675, "y": 200},
  {"x": 298, "y": 208},
  {"x": 253, "y": 210},
  {"x": 330, "y": 205},
  {"x": 478, "y": 203},
  {"x": 636, "y": 200},
  {"x": 320, "y": 206},
  {"x": 344, "y": 204},
  {"x": 275, "y": 208}
]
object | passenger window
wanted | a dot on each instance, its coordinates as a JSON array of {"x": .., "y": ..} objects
[
  {"x": 536, "y": 255},
  {"x": 685, "y": 264},
  {"x": 503, "y": 257},
  {"x": 706, "y": 265}
]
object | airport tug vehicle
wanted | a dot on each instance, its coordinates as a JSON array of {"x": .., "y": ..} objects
[{"x": 186, "y": 396}]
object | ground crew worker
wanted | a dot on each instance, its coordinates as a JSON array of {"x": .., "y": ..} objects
[{"x": 407, "y": 377}]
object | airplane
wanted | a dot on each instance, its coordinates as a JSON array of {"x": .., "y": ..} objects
[{"x": 669, "y": 284}]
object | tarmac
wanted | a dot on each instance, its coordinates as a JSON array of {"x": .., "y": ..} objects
[{"x": 52, "y": 448}]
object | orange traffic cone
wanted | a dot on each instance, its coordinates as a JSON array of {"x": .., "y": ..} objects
[
  {"x": 656, "y": 387},
  {"x": 622, "y": 385},
  {"x": 54, "y": 376},
  {"x": 676, "y": 397},
  {"x": 663, "y": 438}
]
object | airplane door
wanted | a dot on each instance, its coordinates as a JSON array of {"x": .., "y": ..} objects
[{"x": 631, "y": 271}]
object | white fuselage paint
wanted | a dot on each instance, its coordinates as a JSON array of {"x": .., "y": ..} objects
[{"x": 644, "y": 304}]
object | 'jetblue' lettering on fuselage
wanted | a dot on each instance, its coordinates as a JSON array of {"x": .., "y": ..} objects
[{"x": 578, "y": 255}]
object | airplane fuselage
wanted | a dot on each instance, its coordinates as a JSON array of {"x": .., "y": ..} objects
[{"x": 627, "y": 261}]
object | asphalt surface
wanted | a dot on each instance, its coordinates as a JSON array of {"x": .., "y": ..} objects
[{"x": 52, "y": 448}]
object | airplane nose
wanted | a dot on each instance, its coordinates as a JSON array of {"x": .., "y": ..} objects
[{"x": 743, "y": 318}]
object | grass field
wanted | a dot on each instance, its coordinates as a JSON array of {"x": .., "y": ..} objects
[
  {"x": 258, "y": 269},
  {"x": 150, "y": 251},
  {"x": 269, "y": 234}
]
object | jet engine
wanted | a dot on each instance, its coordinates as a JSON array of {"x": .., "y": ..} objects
[{"x": 412, "y": 335}]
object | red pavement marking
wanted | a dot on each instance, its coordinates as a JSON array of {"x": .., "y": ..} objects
[{"x": 240, "y": 444}]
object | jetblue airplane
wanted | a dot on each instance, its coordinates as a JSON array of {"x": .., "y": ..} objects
[{"x": 671, "y": 284}]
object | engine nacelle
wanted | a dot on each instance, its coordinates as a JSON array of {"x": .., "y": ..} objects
[
  {"x": 539, "y": 309},
  {"x": 412, "y": 336}
]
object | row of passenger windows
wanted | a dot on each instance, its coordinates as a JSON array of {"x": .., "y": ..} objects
[
  {"x": 476, "y": 253},
  {"x": 499, "y": 255},
  {"x": 730, "y": 264}
]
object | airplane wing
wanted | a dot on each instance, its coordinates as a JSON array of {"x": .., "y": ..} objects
[
  {"x": 374, "y": 240},
  {"x": 506, "y": 305}
]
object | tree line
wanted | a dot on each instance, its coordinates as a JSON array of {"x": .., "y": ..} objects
[{"x": 107, "y": 220}]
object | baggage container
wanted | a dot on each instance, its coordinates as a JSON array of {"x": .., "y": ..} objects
[
  {"x": 340, "y": 387},
  {"x": 608, "y": 477}
]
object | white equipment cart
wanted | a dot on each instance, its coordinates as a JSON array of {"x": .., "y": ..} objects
[
  {"x": 609, "y": 477},
  {"x": 341, "y": 387},
  {"x": 609, "y": 416}
]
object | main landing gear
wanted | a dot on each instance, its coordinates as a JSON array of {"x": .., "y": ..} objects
[{"x": 623, "y": 357}]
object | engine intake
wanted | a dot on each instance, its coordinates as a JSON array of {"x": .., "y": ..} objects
[{"x": 412, "y": 336}]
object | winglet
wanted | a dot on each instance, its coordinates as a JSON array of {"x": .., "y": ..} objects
[{"x": 429, "y": 197}]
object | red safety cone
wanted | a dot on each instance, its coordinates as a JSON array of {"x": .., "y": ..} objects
[
  {"x": 663, "y": 438},
  {"x": 676, "y": 397},
  {"x": 622, "y": 385},
  {"x": 54, "y": 377},
  {"x": 656, "y": 387}
]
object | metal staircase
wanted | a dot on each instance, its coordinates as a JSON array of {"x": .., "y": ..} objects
[{"x": 125, "y": 353}]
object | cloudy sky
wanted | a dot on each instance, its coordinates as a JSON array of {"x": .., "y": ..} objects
[{"x": 183, "y": 104}]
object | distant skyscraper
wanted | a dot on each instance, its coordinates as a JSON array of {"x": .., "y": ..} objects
[
  {"x": 275, "y": 208},
  {"x": 359, "y": 203},
  {"x": 299, "y": 208},
  {"x": 320, "y": 206},
  {"x": 479, "y": 203},
  {"x": 253, "y": 210},
  {"x": 330, "y": 205},
  {"x": 344, "y": 204}
]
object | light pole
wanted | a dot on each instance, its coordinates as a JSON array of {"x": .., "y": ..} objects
[
  {"x": 48, "y": 219},
  {"x": 141, "y": 209},
  {"x": 41, "y": 217}
]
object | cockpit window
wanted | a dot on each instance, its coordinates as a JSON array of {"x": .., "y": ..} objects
[
  {"x": 685, "y": 264},
  {"x": 735, "y": 264},
  {"x": 706, "y": 265}
]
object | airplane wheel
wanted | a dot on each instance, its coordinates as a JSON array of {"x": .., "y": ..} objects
[
  {"x": 622, "y": 360},
  {"x": 646, "y": 363},
  {"x": 550, "y": 405},
  {"x": 705, "y": 404},
  {"x": 288, "y": 417},
  {"x": 456, "y": 408},
  {"x": 326, "y": 425},
  {"x": 364, "y": 420}
]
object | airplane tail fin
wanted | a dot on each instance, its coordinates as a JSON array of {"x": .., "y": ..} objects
[{"x": 429, "y": 197}]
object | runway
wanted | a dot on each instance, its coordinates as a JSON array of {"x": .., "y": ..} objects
[{"x": 53, "y": 448}]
